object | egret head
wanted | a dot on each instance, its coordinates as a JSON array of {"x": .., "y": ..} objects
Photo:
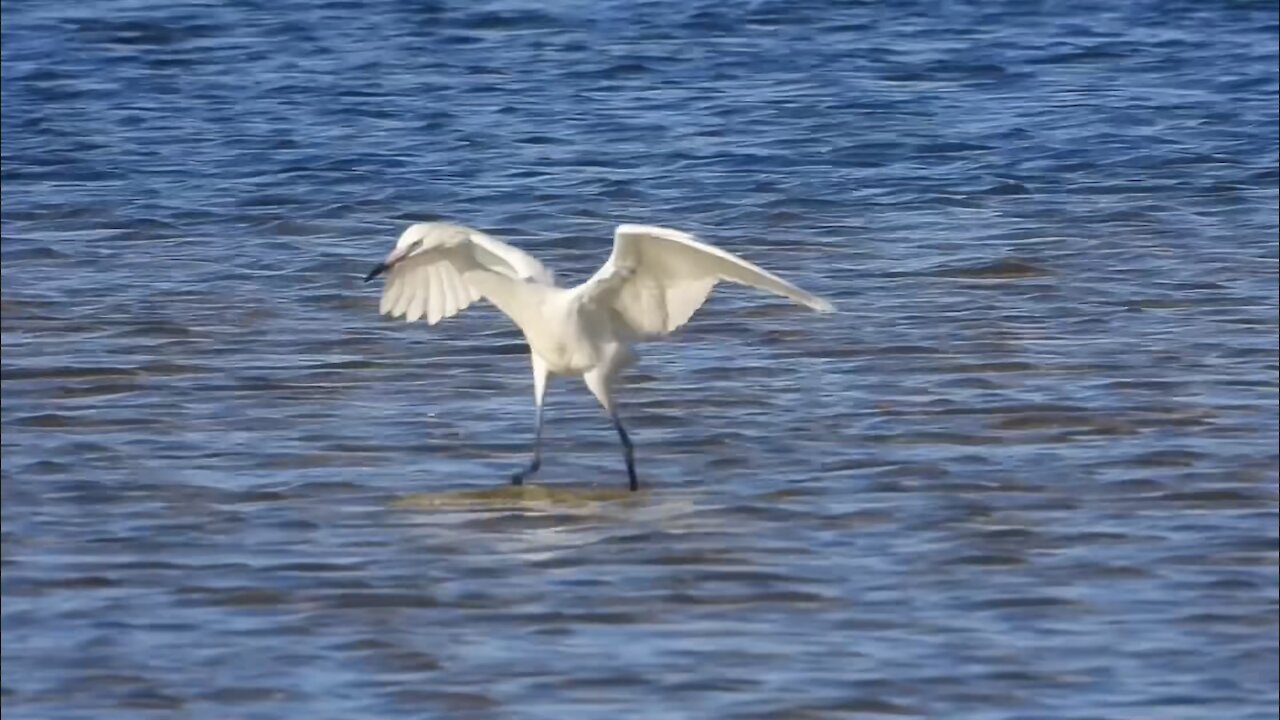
[{"x": 417, "y": 238}]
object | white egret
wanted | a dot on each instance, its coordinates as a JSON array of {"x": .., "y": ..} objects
[{"x": 652, "y": 283}]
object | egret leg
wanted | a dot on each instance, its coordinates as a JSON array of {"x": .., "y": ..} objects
[
  {"x": 628, "y": 452},
  {"x": 536, "y": 462},
  {"x": 598, "y": 382},
  {"x": 540, "y": 376}
]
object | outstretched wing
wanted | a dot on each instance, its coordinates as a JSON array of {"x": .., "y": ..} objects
[
  {"x": 453, "y": 267},
  {"x": 657, "y": 278}
]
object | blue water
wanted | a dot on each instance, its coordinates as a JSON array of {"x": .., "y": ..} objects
[{"x": 1029, "y": 471}]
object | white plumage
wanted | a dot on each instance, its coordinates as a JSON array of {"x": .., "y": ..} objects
[{"x": 654, "y": 281}]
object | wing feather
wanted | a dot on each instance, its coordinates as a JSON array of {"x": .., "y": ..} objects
[
  {"x": 435, "y": 288},
  {"x": 418, "y": 306},
  {"x": 409, "y": 297},
  {"x": 452, "y": 266},
  {"x": 450, "y": 305},
  {"x": 461, "y": 292},
  {"x": 391, "y": 293},
  {"x": 421, "y": 305},
  {"x": 657, "y": 278}
]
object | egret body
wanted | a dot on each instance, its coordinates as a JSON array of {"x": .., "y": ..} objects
[{"x": 653, "y": 282}]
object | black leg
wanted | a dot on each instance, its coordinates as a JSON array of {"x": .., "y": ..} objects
[
  {"x": 628, "y": 453},
  {"x": 518, "y": 478}
]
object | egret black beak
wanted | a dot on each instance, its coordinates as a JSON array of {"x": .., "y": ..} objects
[{"x": 376, "y": 271}]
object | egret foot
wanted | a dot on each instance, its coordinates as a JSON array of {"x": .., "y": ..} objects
[{"x": 517, "y": 478}]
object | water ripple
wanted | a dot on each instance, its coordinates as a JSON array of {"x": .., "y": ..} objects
[{"x": 1030, "y": 469}]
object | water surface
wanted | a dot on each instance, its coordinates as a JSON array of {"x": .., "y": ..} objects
[{"x": 1030, "y": 471}]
